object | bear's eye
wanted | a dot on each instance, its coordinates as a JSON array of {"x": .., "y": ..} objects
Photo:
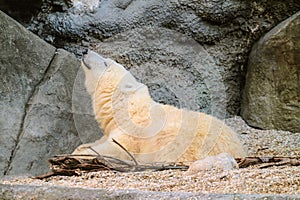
[
  {"x": 129, "y": 86},
  {"x": 105, "y": 64}
]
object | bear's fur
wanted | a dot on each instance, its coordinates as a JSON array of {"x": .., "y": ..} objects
[{"x": 150, "y": 131}]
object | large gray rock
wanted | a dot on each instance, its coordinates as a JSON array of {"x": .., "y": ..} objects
[
  {"x": 225, "y": 28},
  {"x": 176, "y": 68},
  {"x": 271, "y": 97},
  {"x": 48, "y": 128},
  {"x": 87, "y": 127},
  {"x": 35, "y": 100},
  {"x": 24, "y": 59}
]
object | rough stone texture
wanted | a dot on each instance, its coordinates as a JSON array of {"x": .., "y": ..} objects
[
  {"x": 49, "y": 127},
  {"x": 175, "y": 67},
  {"x": 25, "y": 192},
  {"x": 272, "y": 92},
  {"x": 36, "y": 119},
  {"x": 86, "y": 125},
  {"x": 225, "y": 28},
  {"x": 85, "y": 5},
  {"x": 24, "y": 59}
]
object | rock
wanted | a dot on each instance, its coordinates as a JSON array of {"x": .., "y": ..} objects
[
  {"x": 223, "y": 161},
  {"x": 49, "y": 127},
  {"x": 85, "y": 5},
  {"x": 21, "y": 10},
  {"x": 35, "y": 101},
  {"x": 87, "y": 127},
  {"x": 225, "y": 29},
  {"x": 176, "y": 68},
  {"x": 271, "y": 98},
  {"x": 24, "y": 59},
  {"x": 36, "y": 94},
  {"x": 20, "y": 192}
]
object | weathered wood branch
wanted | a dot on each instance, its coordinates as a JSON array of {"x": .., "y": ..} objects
[
  {"x": 75, "y": 165},
  {"x": 131, "y": 156},
  {"x": 267, "y": 161}
]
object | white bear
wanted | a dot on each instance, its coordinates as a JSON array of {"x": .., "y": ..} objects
[{"x": 150, "y": 131}]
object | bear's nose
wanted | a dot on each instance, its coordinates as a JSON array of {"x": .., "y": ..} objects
[
  {"x": 85, "y": 51},
  {"x": 93, "y": 60}
]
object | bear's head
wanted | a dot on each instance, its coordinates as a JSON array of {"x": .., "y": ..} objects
[
  {"x": 114, "y": 91},
  {"x": 95, "y": 67}
]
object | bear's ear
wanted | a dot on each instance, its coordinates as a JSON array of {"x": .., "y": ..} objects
[
  {"x": 130, "y": 87},
  {"x": 129, "y": 84}
]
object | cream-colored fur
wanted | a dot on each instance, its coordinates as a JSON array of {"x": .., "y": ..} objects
[{"x": 152, "y": 132}]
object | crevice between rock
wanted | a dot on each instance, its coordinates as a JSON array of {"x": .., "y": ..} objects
[{"x": 26, "y": 111}]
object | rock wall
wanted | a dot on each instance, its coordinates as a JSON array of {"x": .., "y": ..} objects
[
  {"x": 36, "y": 120},
  {"x": 176, "y": 68},
  {"x": 225, "y": 29},
  {"x": 190, "y": 53},
  {"x": 271, "y": 97}
]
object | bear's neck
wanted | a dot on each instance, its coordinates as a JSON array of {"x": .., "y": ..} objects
[
  {"x": 103, "y": 96},
  {"x": 114, "y": 109},
  {"x": 103, "y": 109}
]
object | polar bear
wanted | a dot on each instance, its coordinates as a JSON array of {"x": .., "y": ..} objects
[{"x": 150, "y": 131}]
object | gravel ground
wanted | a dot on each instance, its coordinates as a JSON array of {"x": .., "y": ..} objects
[
  {"x": 273, "y": 180},
  {"x": 266, "y": 142}
]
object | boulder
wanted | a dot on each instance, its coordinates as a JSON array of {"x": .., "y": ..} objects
[
  {"x": 226, "y": 29},
  {"x": 24, "y": 59},
  {"x": 86, "y": 125},
  {"x": 48, "y": 128},
  {"x": 176, "y": 69},
  {"x": 36, "y": 120},
  {"x": 271, "y": 98}
]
